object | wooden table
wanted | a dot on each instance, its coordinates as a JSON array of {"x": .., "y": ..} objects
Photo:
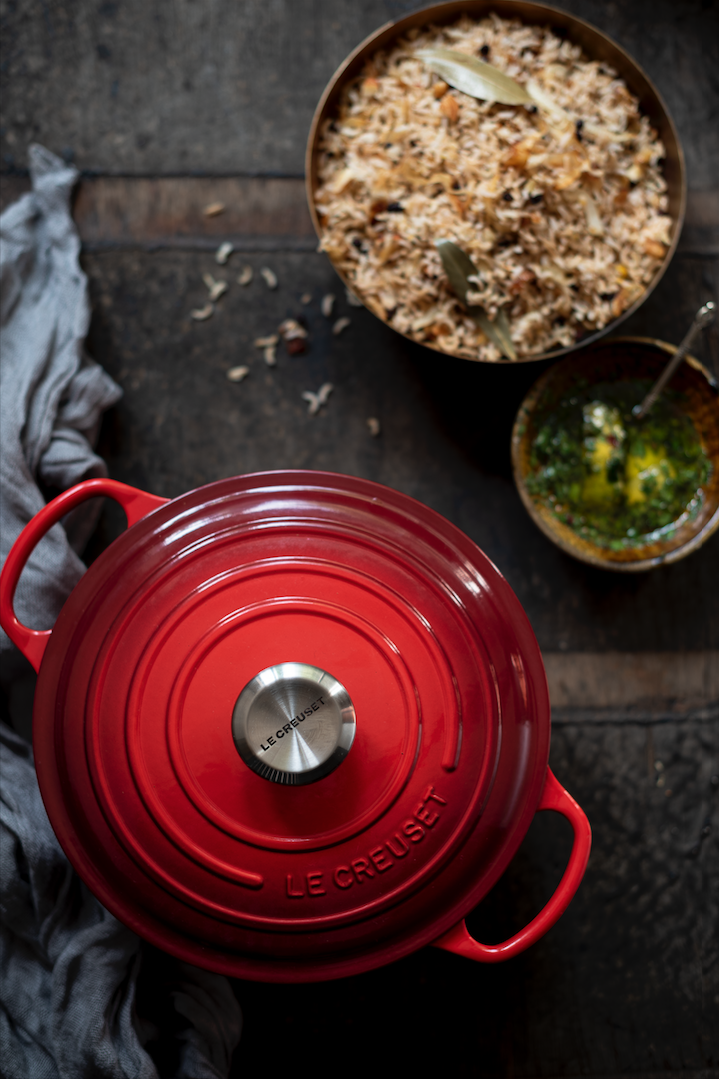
[{"x": 166, "y": 108}]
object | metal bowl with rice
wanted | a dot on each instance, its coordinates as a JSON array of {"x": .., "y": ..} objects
[{"x": 569, "y": 205}]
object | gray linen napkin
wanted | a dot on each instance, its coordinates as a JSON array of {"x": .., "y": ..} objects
[{"x": 70, "y": 974}]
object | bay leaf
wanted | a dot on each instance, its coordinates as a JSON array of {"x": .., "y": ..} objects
[
  {"x": 492, "y": 330},
  {"x": 459, "y": 268},
  {"x": 473, "y": 76},
  {"x": 501, "y": 324}
]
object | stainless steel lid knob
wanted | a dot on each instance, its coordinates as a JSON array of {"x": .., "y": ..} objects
[{"x": 293, "y": 723}]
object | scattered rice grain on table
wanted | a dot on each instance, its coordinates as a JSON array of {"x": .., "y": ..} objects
[
  {"x": 316, "y": 400},
  {"x": 269, "y": 348},
  {"x": 236, "y": 374},
  {"x": 269, "y": 276},
  {"x": 199, "y": 314},
  {"x": 246, "y": 276},
  {"x": 290, "y": 329},
  {"x": 215, "y": 288},
  {"x": 294, "y": 336},
  {"x": 223, "y": 252},
  {"x": 563, "y": 208}
]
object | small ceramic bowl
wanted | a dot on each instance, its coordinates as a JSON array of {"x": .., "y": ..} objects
[
  {"x": 617, "y": 359},
  {"x": 596, "y": 46}
]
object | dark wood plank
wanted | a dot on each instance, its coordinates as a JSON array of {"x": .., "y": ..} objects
[
  {"x": 678, "y": 681},
  {"x": 168, "y": 211},
  {"x": 171, "y": 210},
  {"x": 127, "y": 86}
]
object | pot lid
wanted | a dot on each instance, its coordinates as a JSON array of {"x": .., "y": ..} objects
[{"x": 291, "y": 726}]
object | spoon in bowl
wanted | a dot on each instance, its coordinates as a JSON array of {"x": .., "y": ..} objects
[{"x": 703, "y": 317}]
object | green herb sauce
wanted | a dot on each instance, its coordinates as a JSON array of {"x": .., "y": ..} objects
[{"x": 618, "y": 481}]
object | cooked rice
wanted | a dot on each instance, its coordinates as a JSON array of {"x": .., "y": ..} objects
[{"x": 562, "y": 209}]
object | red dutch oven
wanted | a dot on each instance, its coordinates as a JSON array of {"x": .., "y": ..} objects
[{"x": 291, "y": 726}]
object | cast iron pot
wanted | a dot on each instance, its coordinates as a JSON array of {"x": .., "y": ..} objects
[{"x": 291, "y": 726}]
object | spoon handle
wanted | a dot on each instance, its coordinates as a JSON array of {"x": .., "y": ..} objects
[{"x": 702, "y": 318}]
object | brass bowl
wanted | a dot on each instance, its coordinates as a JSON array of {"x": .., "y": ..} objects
[
  {"x": 624, "y": 358},
  {"x": 595, "y": 44}
]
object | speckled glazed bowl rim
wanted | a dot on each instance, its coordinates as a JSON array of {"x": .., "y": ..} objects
[
  {"x": 595, "y": 43},
  {"x": 559, "y": 533}
]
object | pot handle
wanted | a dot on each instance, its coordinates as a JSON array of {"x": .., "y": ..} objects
[
  {"x": 458, "y": 940},
  {"x": 136, "y": 504}
]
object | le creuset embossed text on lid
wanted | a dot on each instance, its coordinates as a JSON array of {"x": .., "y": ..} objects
[{"x": 291, "y": 726}]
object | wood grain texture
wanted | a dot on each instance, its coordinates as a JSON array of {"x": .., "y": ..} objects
[
  {"x": 648, "y": 680},
  {"x": 167, "y": 211},
  {"x": 170, "y": 210},
  {"x": 214, "y": 86}
]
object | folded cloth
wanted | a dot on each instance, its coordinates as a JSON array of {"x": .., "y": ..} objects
[
  {"x": 71, "y": 975},
  {"x": 53, "y": 395}
]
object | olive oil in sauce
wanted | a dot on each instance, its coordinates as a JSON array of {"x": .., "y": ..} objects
[{"x": 618, "y": 481}]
